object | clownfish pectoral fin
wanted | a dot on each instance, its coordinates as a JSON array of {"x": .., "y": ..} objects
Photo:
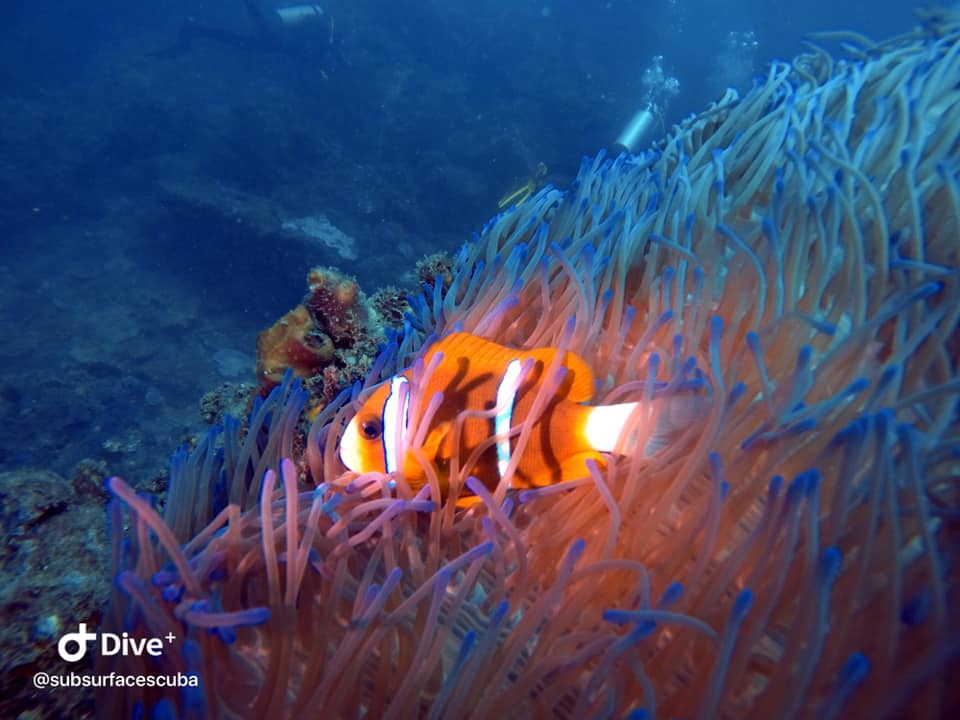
[
  {"x": 573, "y": 467},
  {"x": 433, "y": 451},
  {"x": 465, "y": 502},
  {"x": 436, "y": 446}
]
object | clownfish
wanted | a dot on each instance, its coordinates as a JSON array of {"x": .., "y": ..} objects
[{"x": 480, "y": 375}]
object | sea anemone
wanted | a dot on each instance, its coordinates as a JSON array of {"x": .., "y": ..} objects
[{"x": 793, "y": 257}]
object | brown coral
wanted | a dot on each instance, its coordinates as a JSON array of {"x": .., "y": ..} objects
[
  {"x": 336, "y": 305},
  {"x": 332, "y": 336},
  {"x": 292, "y": 342}
]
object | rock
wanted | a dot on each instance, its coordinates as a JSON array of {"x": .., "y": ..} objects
[{"x": 53, "y": 575}]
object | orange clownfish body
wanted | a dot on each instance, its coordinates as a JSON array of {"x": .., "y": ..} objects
[{"x": 501, "y": 385}]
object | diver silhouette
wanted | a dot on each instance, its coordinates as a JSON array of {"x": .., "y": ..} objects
[{"x": 304, "y": 32}]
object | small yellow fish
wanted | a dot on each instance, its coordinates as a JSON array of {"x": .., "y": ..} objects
[{"x": 476, "y": 374}]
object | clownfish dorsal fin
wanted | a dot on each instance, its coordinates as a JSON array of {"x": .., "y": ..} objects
[
  {"x": 486, "y": 356},
  {"x": 581, "y": 384}
]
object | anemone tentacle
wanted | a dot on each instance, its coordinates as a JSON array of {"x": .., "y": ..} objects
[{"x": 792, "y": 256}]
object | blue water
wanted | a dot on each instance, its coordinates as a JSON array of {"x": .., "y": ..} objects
[{"x": 143, "y": 186}]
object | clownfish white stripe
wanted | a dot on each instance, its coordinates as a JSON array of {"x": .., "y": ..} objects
[
  {"x": 506, "y": 396},
  {"x": 394, "y": 422},
  {"x": 604, "y": 424}
]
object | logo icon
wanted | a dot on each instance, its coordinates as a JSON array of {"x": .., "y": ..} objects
[{"x": 79, "y": 640}]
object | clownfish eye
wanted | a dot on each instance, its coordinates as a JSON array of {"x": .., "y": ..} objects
[{"x": 371, "y": 428}]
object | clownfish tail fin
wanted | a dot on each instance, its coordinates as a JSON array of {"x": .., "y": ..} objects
[
  {"x": 605, "y": 423},
  {"x": 678, "y": 414}
]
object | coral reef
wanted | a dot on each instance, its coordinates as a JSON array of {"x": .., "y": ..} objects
[
  {"x": 227, "y": 399},
  {"x": 792, "y": 255},
  {"x": 330, "y": 340},
  {"x": 436, "y": 265},
  {"x": 391, "y": 305}
]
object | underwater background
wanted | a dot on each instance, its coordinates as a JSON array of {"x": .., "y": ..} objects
[
  {"x": 162, "y": 201},
  {"x": 143, "y": 188}
]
